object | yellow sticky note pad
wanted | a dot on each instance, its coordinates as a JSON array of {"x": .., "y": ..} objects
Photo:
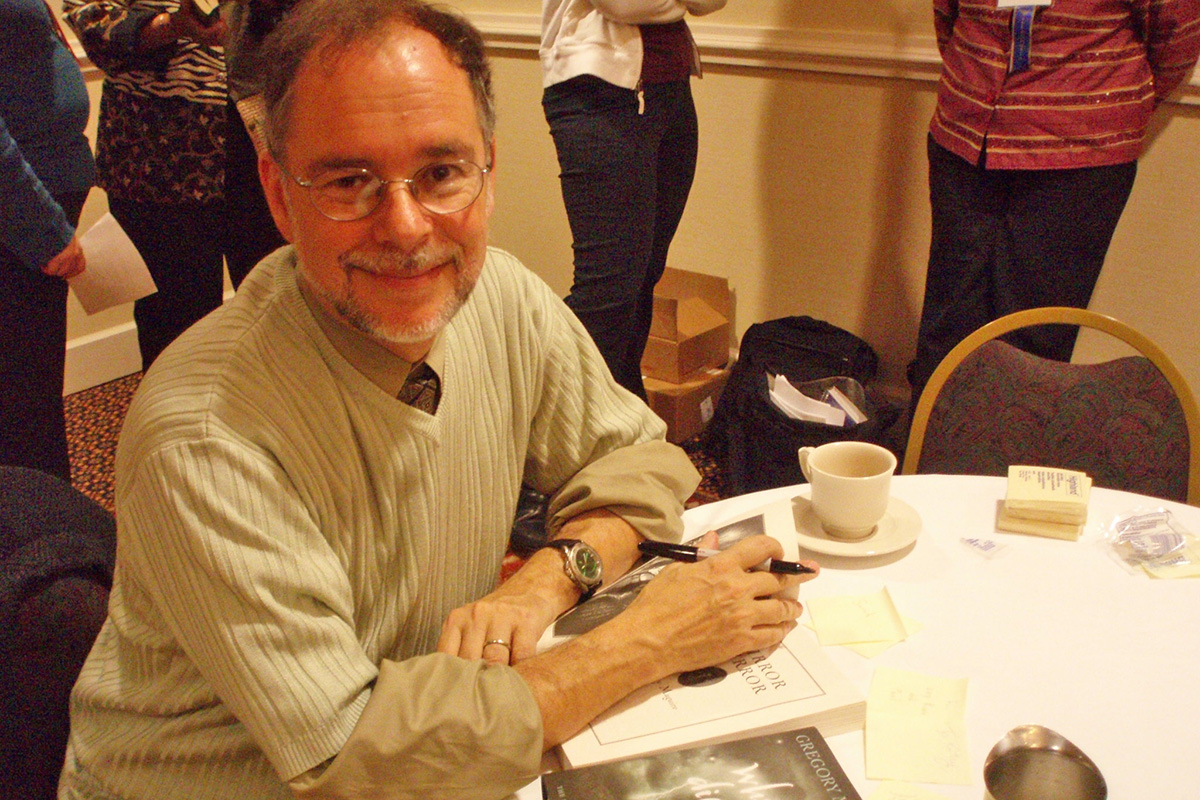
[
  {"x": 897, "y": 790},
  {"x": 916, "y": 729},
  {"x": 872, "y": 649},
  {"x": 853, "y": 619}
]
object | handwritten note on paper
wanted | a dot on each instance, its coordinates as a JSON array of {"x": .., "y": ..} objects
[
  {"x": 916, "y": 729},
  {"x": 850, "y": 619},
  {"x": 897, "y": 790}
]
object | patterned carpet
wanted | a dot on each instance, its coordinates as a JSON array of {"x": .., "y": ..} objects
[{"x": 94, "y": 418}]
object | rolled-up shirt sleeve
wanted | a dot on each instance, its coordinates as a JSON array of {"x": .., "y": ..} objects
[
  {"x": 436, "y": 726},
  {"x": 642, "y": 484}
]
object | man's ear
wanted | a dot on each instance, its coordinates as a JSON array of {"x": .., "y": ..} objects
[
  {"x": 272, "y": 182},
  {"x": 489, "y": 191}
]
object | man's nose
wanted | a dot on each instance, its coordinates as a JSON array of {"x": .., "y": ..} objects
[{"x": 400, "y": 219}]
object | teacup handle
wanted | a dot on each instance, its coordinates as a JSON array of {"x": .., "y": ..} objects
[{"x": 803, "y": 454}]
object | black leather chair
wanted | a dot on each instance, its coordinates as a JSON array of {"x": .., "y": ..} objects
[{"x": 57, "y": 549}]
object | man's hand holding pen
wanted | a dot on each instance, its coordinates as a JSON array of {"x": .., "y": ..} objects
[{"x": 701, "y": 614}]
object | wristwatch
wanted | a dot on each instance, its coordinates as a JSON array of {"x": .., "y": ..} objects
[{"x": 581, "y": 563}]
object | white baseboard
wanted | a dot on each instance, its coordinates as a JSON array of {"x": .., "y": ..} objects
[{"x": 101, "y": 357}]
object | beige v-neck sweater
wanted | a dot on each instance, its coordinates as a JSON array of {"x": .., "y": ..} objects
[{"x": 291, "y": 538}]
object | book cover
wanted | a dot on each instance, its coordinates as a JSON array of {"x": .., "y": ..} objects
[
  {"x": 795, "y": 764},
  {"x": 760, "y": 692}
]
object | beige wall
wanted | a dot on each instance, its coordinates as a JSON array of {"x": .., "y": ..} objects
[{"x": 810, "y": 194}]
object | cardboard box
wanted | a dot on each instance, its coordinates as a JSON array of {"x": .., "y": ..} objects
[
  {"x": 689, "y": 331},
  {"x": 686, "y": 407}
]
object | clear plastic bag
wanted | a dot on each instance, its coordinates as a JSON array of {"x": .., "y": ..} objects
[{"x": 1154, "y": 540}]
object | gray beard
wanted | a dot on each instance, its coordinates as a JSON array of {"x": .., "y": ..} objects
[{"x": 389, "y": 263}]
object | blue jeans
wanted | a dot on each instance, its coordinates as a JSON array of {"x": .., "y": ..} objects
[{"x": 625, "y": 181}]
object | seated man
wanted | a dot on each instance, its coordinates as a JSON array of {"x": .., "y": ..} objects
[{"x": 315, "y": 484}]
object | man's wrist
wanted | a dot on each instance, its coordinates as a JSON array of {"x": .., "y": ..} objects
[{"x": 581, "y": 564}]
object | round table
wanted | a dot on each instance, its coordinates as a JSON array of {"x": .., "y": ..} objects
[{"x": 1052, "y": 632}]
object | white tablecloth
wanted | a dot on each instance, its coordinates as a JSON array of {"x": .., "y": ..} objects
[{"x": 1049, "y": 632}]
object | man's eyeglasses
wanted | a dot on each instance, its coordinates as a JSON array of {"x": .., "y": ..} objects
[{"x": 349, "y": 193}]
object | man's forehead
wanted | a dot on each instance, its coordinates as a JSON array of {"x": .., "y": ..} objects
[
  {"x": 402, "y": 70},
  {"x": 402, "y": 46}
]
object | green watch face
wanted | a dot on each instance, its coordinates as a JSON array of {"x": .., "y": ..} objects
[{"x": 587, "y": 563}]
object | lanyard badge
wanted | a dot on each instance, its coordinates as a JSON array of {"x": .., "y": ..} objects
[{"x": 1022, "y": 30}]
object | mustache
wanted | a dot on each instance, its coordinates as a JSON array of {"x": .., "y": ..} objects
[{"x": 394, "y": 264}]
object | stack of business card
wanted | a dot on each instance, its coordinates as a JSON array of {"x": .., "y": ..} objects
[{"x": 1045, "y": 501}]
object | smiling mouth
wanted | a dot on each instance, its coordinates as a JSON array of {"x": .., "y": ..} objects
[
  {"x": 407, "y": 275},
  {"x": 391, "y": 267}
]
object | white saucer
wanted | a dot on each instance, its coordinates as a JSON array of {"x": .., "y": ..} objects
[{"x": 897, "y": 530}]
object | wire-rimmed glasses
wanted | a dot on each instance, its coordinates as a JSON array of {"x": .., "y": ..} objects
[{"x": 351, "y": 193}]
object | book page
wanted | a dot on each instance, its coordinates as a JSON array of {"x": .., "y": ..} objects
[{"x": 760, "y": 692}]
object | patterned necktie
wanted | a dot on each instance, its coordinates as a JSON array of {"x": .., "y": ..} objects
[{"x": 422, "y": 389}]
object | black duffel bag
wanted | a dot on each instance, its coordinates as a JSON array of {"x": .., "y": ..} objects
[{"x": 754, "y": 442}]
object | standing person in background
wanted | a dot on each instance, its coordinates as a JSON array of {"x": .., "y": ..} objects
[
  {"x": 619, "y": 103},
  {"x": 1041, "y": 116},
  {"x": 46, "y": 169},
  {"x": 160, "y": 150},
  {"x": 252, "y": 232}
]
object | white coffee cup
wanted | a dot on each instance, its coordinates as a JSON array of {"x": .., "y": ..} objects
[{"x": 851, "y": 485}]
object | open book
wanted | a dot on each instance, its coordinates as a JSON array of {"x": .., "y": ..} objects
[{"x": 765, "y": 691}]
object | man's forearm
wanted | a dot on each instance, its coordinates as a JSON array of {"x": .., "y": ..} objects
[
  {"x": 577, "y": 681},
  {"x": 690, "y": 616}
]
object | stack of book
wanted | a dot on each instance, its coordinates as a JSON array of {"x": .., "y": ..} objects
[
  {"x": 762, "y": 692},
  {"x": 1045, "y": 501}
]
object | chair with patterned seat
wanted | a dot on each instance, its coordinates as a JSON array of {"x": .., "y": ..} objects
[{"x": 1131, "y": 423}]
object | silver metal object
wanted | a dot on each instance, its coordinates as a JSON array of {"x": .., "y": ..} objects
[{"x": 1035, "y": 763}]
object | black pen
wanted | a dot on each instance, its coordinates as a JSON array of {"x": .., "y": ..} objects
[{"x": 684, "y": 552}]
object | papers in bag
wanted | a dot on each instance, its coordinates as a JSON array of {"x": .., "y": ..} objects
[
  {"x": 833, "y": 408},
  {"x": 115, "y": 271}
]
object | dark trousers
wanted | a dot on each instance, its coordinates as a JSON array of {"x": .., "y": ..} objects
[
  {"x": 625, "y": 181},
  {"x": 252, "y": 231},
  {"x": 182, "y": 246},
  {"x": 1008, "y": 240},
  {"x": 33, "y": 339}
]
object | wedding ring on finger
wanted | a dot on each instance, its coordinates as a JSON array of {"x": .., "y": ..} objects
[{"x": 500, "y": 642}]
